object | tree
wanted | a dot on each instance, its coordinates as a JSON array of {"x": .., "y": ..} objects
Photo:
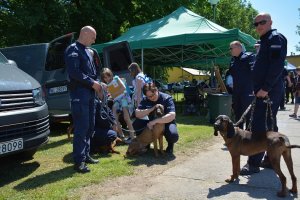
[{"x": 298, "y": 32}]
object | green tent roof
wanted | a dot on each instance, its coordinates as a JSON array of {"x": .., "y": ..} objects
[{"x": 181, "y": 38}]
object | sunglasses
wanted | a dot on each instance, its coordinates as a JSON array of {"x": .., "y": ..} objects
[{"x": 262, "y": 22}]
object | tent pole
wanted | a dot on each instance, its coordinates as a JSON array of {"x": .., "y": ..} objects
[{"x": 142, "y": 59}]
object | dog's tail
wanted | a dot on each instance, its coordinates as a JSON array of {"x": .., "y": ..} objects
[{"x": 293, "y": 146}]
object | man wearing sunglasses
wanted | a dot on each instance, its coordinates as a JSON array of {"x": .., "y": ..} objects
[
  {"x": 267, "y": 82},
  {"x": 152, "y": 98}
]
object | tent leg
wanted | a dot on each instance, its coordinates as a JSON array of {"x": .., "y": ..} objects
[{"x": 142, "y": 59}]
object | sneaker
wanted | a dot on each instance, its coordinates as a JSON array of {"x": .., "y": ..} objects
[
  {"x": 81, "y": 168},
  {"x": 293, "y": 115},
  {"x": 249, "y": 170}
]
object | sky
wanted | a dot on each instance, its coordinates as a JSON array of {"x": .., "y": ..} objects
[{"x": 285, "y": 17}]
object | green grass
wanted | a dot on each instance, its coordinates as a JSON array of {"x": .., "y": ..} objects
[{"x": 50, "y": 174}]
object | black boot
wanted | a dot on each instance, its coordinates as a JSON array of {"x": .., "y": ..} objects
[{"x": 170, "y": 148}]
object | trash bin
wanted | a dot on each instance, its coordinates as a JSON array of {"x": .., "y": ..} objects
[{"x": 219, "y": 104}]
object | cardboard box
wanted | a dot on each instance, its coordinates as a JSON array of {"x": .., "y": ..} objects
[{"x": 116, "y": 87}]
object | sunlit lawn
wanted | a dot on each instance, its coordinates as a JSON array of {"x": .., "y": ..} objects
[{"x": 50, "y": 174}]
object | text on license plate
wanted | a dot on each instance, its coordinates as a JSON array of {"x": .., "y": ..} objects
[
  {"x": 12, "y": 145},
  {"x": 59, "y": 89}
]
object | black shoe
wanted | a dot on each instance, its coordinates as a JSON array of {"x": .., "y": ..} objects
[
  {"x": 170, "y": 148},
  {"x": 90, "y": 160},
  {"x": 283, "y": 108},
  {"x": 266, "y": 164},
  {"x": 248, "y": 170},
  {"x": 81, "y": 168}
]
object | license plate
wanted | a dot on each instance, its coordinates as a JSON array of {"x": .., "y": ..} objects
[
  {"x": 10, "y": 146},
  {"x": 58, "y": 90}
]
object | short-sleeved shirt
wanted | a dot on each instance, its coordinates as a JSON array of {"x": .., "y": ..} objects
[{"x": 163, "y": 99}]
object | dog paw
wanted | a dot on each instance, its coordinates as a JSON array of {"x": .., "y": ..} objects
[
  {"x": 293, "y": 191},
  {"x": 229, "y": 180}
]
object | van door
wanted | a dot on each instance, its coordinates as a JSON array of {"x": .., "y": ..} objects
[
  {"x": 57, "y": 79},
  {"x": 118, "y": 57}
]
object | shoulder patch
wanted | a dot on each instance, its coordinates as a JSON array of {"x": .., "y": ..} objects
[
  {"x": 73, "y": 54},
  {"x": 275, "y": 46}
]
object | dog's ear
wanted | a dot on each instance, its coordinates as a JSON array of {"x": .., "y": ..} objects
[{"x": 230, "y": 129}]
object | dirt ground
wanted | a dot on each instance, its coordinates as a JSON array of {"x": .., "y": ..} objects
[{"x": 143, "y": 175}]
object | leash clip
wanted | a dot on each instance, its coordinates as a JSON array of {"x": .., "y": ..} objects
[{"x": 268, "y": 101}]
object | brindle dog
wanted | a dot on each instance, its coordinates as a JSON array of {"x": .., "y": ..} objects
[
  {"x": 138, "y": 145},
  {"x": 241, "y": 142}
]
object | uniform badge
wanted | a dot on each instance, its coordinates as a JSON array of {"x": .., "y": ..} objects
[{"x": 73, "y": 54}]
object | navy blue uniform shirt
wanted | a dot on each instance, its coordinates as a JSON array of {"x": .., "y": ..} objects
[
  {"x": 240, "y": 69},
  {"x": 81, "y": 70},
  {"x": 269, "y": 64},
  {"x": 163, "y": 99}
]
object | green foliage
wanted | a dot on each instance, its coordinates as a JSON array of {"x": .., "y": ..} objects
[{"x": 30, "y": 21}]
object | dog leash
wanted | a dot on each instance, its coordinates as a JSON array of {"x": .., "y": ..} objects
[
  {"x": 243, "y": 117},
  {"x": 269, "y": 110},
  {"x": 104, "y": 113},
  {"x": 269, "y": 103}
]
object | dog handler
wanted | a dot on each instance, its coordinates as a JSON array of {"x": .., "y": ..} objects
[
  {"x": 267, "y": 81},
  {"x": 83, "y": 88},
  {"x": 147, "y": 105}
]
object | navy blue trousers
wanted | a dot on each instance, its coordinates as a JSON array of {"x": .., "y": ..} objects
[
  {"x": 83, "y": 115},
  {"x": 240, "y": 104},
  {"x": 259, "y": 122}
]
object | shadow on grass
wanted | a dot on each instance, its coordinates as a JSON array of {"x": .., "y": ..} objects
[
  {"x": 12, "y": 169},
  {"x": 44, "y": 179},
  {"x": 54, "y": 144},
  {"x": 149, "y": 159}
]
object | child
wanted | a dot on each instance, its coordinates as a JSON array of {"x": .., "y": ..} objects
[{"x": 121, "y": 103}]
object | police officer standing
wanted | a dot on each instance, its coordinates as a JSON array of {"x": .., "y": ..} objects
[
  {"x": 83, "y": 88},
  {"x": 240, "y": 69},
  {"x": 267, "y": 82}
]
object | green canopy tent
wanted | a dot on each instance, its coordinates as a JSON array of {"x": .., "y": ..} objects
[{"x": 179, "y": 39}]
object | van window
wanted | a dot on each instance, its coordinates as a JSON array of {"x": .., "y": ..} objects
[
  {"x": 29, "y": 58},
  {"x": 55, "y": 56},
  {"x": 2, "y": 58}
]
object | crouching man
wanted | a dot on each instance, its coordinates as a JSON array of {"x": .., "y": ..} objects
[{"x": 145, "y": 118}]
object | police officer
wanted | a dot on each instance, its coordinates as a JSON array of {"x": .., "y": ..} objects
[
  {"x": 83, "y": 88},
  {"x": 240, "y": 69},
  {"x": 267, "y": 81},
  {"x": 152, "y": 98}
]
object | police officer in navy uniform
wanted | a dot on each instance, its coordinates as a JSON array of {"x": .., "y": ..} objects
[
  {"x": 267, "y": 82},
  {"x": 240, "y": 69},
  {"x": 84, "y": 87}
]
